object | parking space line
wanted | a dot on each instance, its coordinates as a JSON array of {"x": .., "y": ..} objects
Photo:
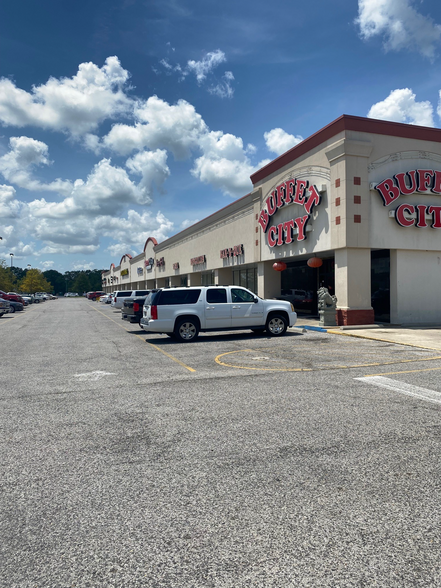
[
  {"x": 404, "y": 372},
  {"x": 403, "y": 388},
  {"x": 318, "y": 368},
  {"x": 190, "y": 369}
]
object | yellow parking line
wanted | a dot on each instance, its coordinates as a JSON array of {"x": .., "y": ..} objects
[
  {"x": 151, "y": 344},
  {"x": 319, "y": 368}
]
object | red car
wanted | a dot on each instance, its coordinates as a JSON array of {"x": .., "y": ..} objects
[
  {"x": 94, "y": 295},
  {"x": 13, "y": 297}
]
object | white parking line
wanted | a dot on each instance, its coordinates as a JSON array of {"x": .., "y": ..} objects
[{"x": 403, "y": 388}]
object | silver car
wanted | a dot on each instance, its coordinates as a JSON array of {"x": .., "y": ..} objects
[{"x": 4, "y": 306}]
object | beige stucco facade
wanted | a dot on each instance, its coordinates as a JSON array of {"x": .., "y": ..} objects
[{"x": 348, "y": 225}]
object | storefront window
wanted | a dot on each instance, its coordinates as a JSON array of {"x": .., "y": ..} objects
[
  {"x": 207, "y": 279},
  {"x": 247, "y": 278},
  {"x": 184, "y": 281}
]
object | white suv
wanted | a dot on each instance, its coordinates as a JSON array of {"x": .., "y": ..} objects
[
  {"x": 119, "y": 296},
  {"x": 184, "y": 312}
]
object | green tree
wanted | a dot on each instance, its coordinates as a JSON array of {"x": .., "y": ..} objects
[
  {"x": 7, "y": 280},
  {"x": 81, "y": 284},
  {"x": 56, "y": 279},
  {"x": 34, "y": 281}
]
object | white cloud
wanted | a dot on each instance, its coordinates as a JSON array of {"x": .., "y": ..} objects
[
  {"x": 400, "y": 24},
  {"x": 25, "y": 154},
  {"x": 76, "y": 105},
  {"x": 46, "y": 264},
  {"x": 224, "y": 89},
  {"x": 160, "y": 125},
  {"x": 107, "y": 190},
  {"x": 278, "y": 141},
  {"x": 82, "y": 265},
  {"x": 230, "y": 176},
  {"x": 152, "y": 166},
  {"x": 9, "y": 206},
  {"x": 401, "y": 106},
  {"x": 207, "y": 64}
]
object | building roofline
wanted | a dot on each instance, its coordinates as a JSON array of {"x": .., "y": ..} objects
[{"x": 347, "y": 123}]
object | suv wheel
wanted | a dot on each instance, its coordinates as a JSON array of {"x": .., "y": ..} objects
[
  {"x": 186, "y": 330},
  {"x": 276, "y": 325}
]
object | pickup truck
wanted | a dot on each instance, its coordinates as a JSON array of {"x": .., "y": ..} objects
[
  {"x": 132, "y": 309},
  {"x": 185, "y": 312},
  {"x": 4, "y": 306}
]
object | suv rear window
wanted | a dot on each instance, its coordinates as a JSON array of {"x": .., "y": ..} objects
[
  {"x": 121, "y": 294},
  {"x": 177, "y": 297},
  {"x": 141, "y": 292}
]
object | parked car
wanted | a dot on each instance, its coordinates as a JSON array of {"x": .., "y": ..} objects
[
  {"x": 15, "y": 306},
  {"x": 71, "y": 295},
  {"x": 184, "y": 312},
  {"x": 132, "y": 309},
  {"x": 104, "y": 299},
  {"x": 121, "y": 295},
  {"x": 29, "y": 298},
  {"x": 39, "y": 297},
  {"x": 4, "y": 306},
  {"x": 11, "y": 297},
  {"x": 94, "y": 295}
]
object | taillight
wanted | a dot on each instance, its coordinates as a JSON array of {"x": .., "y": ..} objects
[
  {"x": 154, "y": 313},
  {"x": 135, "y": 306}
]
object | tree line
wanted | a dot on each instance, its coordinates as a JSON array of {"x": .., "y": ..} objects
[{"x": 29, "y": 281}]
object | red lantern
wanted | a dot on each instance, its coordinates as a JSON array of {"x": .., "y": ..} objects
[
  {"x": 315, "y": 262},
  {"x": 279, "y": 266}
]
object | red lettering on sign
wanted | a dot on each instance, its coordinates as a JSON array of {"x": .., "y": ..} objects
[
  {"x": 314, "y": 199},
  {"x": 436, "y": 212},
  {"x": 271, "y": 204},
  {"x": 263, "y": 220},
  {"x": 425, "y": 179},
  {"x": 289, "y": 191},
  {"x": 299, "y": 196},
  {"x": 272, "y": 239},
  {"x": 289, "y": 228},
  {"x": 436, "y": 189},
  {"x": 401, "y": 219},
  {"x": 421, "y": 215},
  {"x": 411, "y": 176},
  {"x": 388, "y": 191},
  {"x": 280, "y": 193},
  {"x": 301, "y": 223}
]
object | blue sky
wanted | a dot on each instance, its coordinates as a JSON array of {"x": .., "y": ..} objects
[{"x": 121, "y": 120}]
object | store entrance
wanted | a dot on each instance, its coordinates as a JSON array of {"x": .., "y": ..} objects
[
  {"x": 301, "y": 282},
  {"x": 380, "y": 285}
]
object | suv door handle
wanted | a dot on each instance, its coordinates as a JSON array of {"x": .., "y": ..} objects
[
  {"x": 236, "y": 307},
  {"x": 210, "y": 307}
]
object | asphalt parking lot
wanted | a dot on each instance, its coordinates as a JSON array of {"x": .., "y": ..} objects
[{"x": 237, "y": 460}]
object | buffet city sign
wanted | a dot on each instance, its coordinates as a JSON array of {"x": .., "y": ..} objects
[
  {"x": 405, "y": 184},
  {"x": 290, "y": 192}
]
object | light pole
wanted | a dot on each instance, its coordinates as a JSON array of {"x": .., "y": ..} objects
[
  {"x": 12, "y": 255},
  {"x": 29, "y": 266}
]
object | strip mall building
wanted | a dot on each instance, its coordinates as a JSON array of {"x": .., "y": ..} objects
[{"x": 362, "y": 195}]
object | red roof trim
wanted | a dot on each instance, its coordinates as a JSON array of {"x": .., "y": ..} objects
[
  {"x": 125, "y": 255},
  {"x": 348, "y": 123},
  {"x": 153, "y": 240}
]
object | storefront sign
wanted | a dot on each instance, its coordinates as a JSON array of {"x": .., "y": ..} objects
[
  {"x": 149, "y": 263},
  {"x": 290, "y": 192},
  {"x": 231, "y": 251},
  {"x": 140, "y": 271},
  {"x": 125, "y": 272},
  {"x": 160, "y": 262},
  {"x": 198, "y": 260},
  {"x": 427, "y": 181},
  {"x": 176, "y": 266}
]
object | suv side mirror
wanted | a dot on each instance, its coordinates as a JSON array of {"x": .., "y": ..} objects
[{"x": 256, "y": 300}]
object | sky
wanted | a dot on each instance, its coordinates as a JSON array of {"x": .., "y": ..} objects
[{"x": 127, "y": 119}]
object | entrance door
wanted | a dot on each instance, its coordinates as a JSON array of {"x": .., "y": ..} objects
[{"x": 380, "y": 284}]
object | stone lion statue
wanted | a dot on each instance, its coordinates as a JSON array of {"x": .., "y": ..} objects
[{"x": 325, "y": 300}]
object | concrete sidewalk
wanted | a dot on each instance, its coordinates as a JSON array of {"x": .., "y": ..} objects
[{"x": 419, "y": 336}]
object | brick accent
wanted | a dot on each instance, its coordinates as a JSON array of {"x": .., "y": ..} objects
[
  {"x": 357, "y": 199},
  {"x": 337, "y": 183},
  {"x": 257, "y": 229},
  {"x": 357, "y": 181},
  {"x": 257, "y": 216},
  {"x": 257, "y": 241},
  {"x": 357, "y": 218},
  {"x": 355, "y": 317},
  {"x": 337, "y": 220},
  {"x": 337, "y": 202}
]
